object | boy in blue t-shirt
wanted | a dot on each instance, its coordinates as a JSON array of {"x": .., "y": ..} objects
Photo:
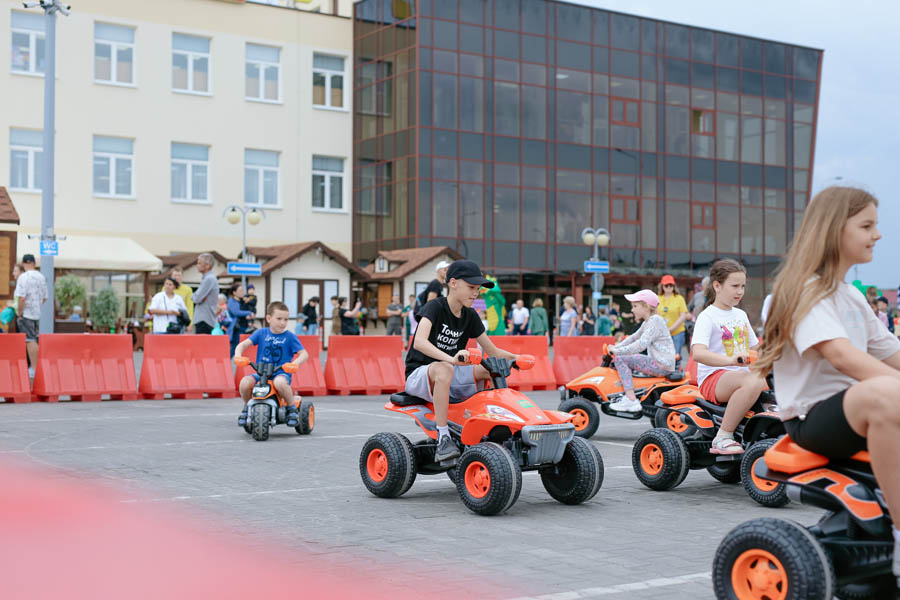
[{"x": 276, "y": 345}]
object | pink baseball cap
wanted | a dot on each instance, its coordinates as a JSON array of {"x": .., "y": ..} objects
[{"x": 643, "y": 296}]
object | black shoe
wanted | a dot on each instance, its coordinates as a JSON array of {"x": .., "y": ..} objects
[
  {"x": 446, "y": 449},
  {"x": 242, "y": 420},
  {"x": 293, "y": 417}
]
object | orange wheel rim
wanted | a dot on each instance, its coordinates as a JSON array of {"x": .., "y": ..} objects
[
  {"x": 377, "y": 465},
  {"x": 674, "y": 422},
  {"x": 761, "y": 484},
  {"x": 478, "y": 479},
  {"x": 312, "y": 416},
  {"x": 651, "y": 459},
  {"x": 758, "y": 575},
  {"x": 581, "y": 418}
]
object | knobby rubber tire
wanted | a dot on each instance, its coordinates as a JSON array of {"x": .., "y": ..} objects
[
  {"x": 775, "y": 498},
  {"x": 307, "y": 417},
  {"x": 577, "y": 477},
  {"x": 401, "y": 465},
  {"x": 505, "y": 479},
  {"x": 676, "y": 461},
  {"x": 590, "y": 409},
  {"x": 874, "y": 588},
  {"x": 259, "y": 422},
  {"x": 726, "y": 472},
  {"x": 660, "y": 419},
  {"x": 810, "y": 575}
]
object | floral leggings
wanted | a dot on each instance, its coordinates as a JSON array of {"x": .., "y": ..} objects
[{"x": 637, "y": 362}]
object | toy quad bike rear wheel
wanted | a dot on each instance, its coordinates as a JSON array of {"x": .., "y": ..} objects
[
  {"x": 387, "y": 465},
  {"x": 660, "y": 459},
  {"x": 307, "y": 417},
  {"x": 767, "y": 493},
  {"x": 586, "y": 416},
  {"x": 488, "y": 479}
]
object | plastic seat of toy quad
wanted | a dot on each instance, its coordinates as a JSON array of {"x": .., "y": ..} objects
[
  {"x": 404, "y": 399},
  {"x": 710, "y": 407}
]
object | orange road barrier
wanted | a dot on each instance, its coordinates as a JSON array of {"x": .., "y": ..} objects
[
  {"x": 186, "y": 366},
  {"x": 370, "y": 364},
  {"x": 575, "y": 355},
  {"x": 84, "y": 367},
  {"x": 14, "y": 383},
  {"x": 309, "y": 380}
]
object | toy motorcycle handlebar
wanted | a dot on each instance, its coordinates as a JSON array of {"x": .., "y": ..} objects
[
  {"x": 242, "y": 361},
  {"x": 289, "y": 367},
  {"x": 524, "y": 362},
  {"x": 751, "y": 358}
]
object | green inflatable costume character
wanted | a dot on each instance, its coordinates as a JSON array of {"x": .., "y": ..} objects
[{"x": 495, "y": 308}]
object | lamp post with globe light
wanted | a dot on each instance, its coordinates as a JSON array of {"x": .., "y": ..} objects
[
  {"x": 597, "y": 238},
  {"x": 235, "y": 214}
]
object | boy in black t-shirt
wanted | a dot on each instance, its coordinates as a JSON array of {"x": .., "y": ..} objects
[{"x": 435, "y": 363}]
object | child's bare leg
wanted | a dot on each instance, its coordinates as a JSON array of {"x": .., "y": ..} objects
[
  {"x": 440, "y": 375},
  {"x": 740, "y": 390},
  {"x": 284, "y": 390},
  {"x": 246, "y": 387}
]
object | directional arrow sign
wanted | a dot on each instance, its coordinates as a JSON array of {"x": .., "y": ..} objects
[
  {"x": 596, "y": 266},
  {"x": 239, "y": 268}
]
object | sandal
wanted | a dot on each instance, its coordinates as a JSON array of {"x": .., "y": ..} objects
[{"x": 725, "y": 445}]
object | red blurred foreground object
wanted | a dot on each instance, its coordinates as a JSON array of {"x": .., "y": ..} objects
[{"x": 63, "y": 538}]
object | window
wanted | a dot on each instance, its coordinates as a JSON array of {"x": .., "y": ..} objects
[
  {"x": 263, "y": 73},
  {"x": 25, "y": 154},
  {"x": 27, "y": 43},
  {"x": 376, "y": 93},
  {"x": 113, "y": 54},
  {"x": 328, "y": 81},
  {"x": 704, "y": 215},
  {"x": 190, "y": 173},
  {"x": 328, "y": 183},
  {"x": 260, "y": 178},
  {"x": 113, "y": 167},
  {"x": 190, "y": 63},
  {"x": 702, "y": 122},
  {"x": 625, "y": 112},
  {"x": 626, "y": 210}
]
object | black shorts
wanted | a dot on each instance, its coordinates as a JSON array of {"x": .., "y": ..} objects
[{"x": 825, "y": 430}]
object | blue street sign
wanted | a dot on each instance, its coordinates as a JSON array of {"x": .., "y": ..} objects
[
  {"x": 239, "y": 268},
  {"x": 596, "y": 266},
  {"x": 598, "y": 295},
  {"x": 49, "y": 248}
]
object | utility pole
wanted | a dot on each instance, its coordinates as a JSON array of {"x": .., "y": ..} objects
[{"x": 48, "y": 233}]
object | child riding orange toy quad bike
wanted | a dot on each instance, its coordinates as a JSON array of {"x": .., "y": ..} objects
[
  {"x": 612, "y": 385},
  {"x": 268, "y": 398},
  {"x": 498, "y": 431}
]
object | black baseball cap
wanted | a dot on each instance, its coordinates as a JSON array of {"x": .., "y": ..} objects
[
  {"x": 28, "y": 258},
  {"x": 469, "y": 272}
]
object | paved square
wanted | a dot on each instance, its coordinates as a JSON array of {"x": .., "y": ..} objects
[{"x": 306, "y": 492}]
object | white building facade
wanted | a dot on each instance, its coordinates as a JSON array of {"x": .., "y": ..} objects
[{"x": 171, "y": 110}]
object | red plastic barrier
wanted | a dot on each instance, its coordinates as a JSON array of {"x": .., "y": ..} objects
[
  {"x": 84, "y": 367},
  {"x": 14, "y": 383},
  {"x": 540, "y": 377},
  {"x": 309, "y": 380},
  {"x": 576, "y": 355},
  {"x": 186, "y": 366},
  {"x": 370, "y": 364}
]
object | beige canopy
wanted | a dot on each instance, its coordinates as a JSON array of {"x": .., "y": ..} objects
[{"x": 96, "y": 253}]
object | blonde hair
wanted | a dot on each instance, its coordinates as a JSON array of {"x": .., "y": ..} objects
[
  {"x": 718, "y": 273},
  {"x": 809, "y": 271},
  {"x": 569, "y": 302},
  {"x": 537, "y": 302}
]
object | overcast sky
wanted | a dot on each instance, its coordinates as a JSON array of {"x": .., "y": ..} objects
[{"x": 858, "y": 134}]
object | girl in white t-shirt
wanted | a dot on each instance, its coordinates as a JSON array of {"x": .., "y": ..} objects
[
  {"x": 837, "y": 366},
  {"x": 721, "y": 347}
]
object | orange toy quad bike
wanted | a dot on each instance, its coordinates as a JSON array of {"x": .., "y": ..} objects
[
  {"x": 602, "y": 386},
  {"x": 266, "y": 409},
  {"x": 686, "y": 424},
  {"x": 501, "y": 432},
  {"x": 846, "y": 554}
]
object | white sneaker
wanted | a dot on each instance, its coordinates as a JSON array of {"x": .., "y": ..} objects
[
  {"x": 31, "y": 373},
  {"x": 627, "y": 405}
]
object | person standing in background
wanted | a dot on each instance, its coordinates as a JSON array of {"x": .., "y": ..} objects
[
  {"x": 310, "y": 317},
  {"x": 395, "y": 316},
  {"x": 520, "y": 316},
  {"x": 673, "y": 309},
  {"x": 409, "y": 318},
  {"x": 30, "y": 294},
  {"x": 435, "y": 287},
  {"x": 248, "y": 303},
  {"x": 349, "y": 318},
  {"x": 588, "y": 323},
  {"x": 540, "y": 321},
  {"x": 604, "y": 323},
  {"x": 568, "y": 322},
  {"x": 235, "y": 313},
  {"x": 185, "y": 292},
  {"x": 206, "y": 298}
]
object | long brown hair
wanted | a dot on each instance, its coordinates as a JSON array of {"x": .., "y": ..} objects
[
  {"x": 809, "y": 271},
  {"x": 719, "y": 272}
]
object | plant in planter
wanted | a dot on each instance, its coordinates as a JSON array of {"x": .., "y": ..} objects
[
  {"x": 69, "y": 291},
  {"x": 105, "y": 310}
]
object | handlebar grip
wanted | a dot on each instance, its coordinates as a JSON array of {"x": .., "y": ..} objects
[
  {"x": 475, "y": 356},
  {"x": 525, "y": 362},
  {"x": 241, "y": 361},
  {"x": 289, "y": 367}
]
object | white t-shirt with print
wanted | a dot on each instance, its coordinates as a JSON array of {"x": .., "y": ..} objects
[
  {"x": 32, "y": 286},
  {"x": 519, "y": 315},
  {"x": 162, "y": 302},
  {"x": 725, "y": 332},
  {"x": 805, "y": 377}
]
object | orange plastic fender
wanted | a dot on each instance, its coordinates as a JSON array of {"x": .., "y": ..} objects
[
  {"x": 241, "y": 361},
  {"x": 525, "y": 362},
  {"x": 289, "y": 367}
]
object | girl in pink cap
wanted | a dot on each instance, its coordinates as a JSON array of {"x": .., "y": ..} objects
[{"x": 652, "y": 336}]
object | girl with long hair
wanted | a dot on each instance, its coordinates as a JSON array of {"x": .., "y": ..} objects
[
  {"x": 568, "y": 320},
  {"x": 837, "y": 366},
  {"x": 721, "y": 344}
]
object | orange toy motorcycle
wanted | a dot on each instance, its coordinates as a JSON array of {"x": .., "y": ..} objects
[
  {"x": 500, "y": 432},
  {"x": 266, "y": 408}
]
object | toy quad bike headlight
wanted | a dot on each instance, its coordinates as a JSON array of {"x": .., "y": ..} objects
[
  {"x": 501, "y": 432},
  {"x": 266, "y": 409}
]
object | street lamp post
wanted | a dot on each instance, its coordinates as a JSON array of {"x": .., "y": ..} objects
[
  {"x": 235, "y": 214},
  {"x": 51, "y": 7},
  {"x": 596, "y": 238}
]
